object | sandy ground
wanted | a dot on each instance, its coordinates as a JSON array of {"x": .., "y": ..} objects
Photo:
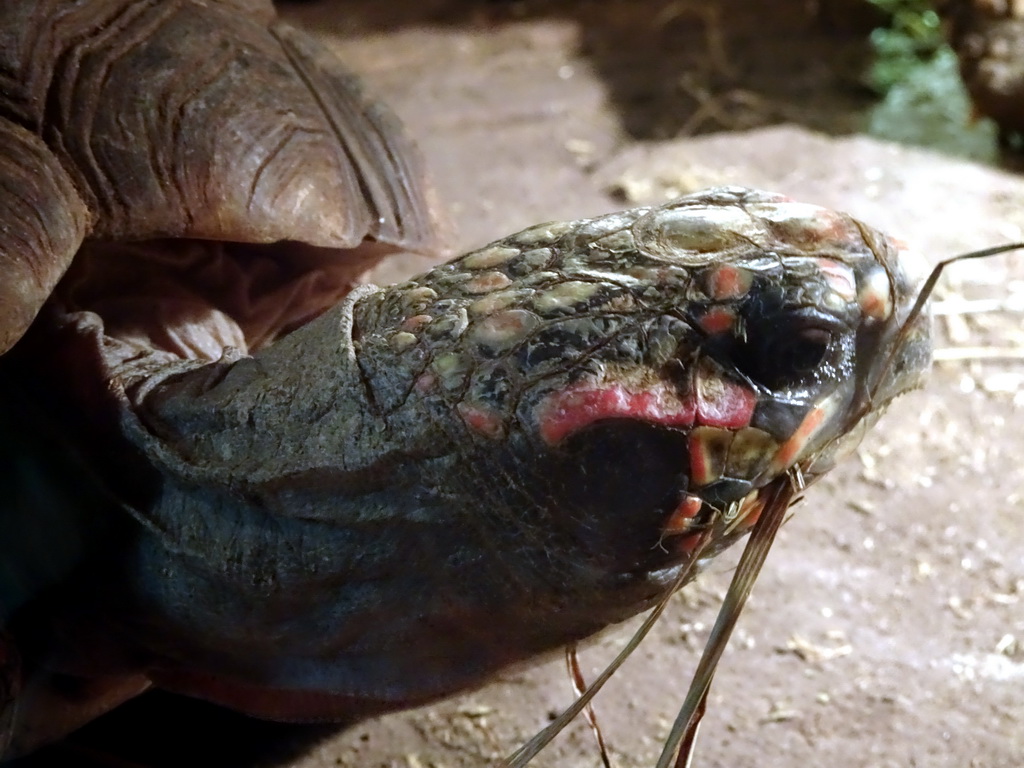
[{"x": 887, "y": 628}]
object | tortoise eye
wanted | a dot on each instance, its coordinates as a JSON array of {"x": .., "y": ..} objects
[
  {"x": 788, "y": 353},
  {"x": 807, "y": 350}
]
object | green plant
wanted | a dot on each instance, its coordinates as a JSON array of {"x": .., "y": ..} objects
[{"x": 912, "y": 36}]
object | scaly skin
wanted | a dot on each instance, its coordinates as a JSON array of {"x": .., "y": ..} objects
[{"x": 437, "y": 479}]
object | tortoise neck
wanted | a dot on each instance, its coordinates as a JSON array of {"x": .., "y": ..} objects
[{"x": 296, "y": 405}]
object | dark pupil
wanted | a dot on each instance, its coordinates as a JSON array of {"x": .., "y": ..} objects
[
  {"x": 784, "y": 357},
  {"x": 807, "y": 351}
]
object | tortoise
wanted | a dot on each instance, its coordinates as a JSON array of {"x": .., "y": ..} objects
[{"x": 232, "y": 472}]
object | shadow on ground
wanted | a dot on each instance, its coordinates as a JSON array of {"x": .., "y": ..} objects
[{"x": 161, "y": 730}]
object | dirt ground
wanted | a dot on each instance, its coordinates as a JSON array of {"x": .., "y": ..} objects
[{"x": 888, "y": 626}]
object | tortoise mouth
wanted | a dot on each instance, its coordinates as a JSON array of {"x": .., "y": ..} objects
[
  {"x": 728, "y": 404},
  {"x": 194, "y": 299},
  {"x": 631, "y": 482}
]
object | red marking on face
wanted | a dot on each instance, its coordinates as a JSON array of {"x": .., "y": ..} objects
[
  {"x": 750, "y": 511},
  {"x": 701, "y": 469},
  {"x": 790, "y": 450},
  {"x": 415, "y": 323},
  {"x": 728, "y": 282},
  {"x": 723, "y": 403},
  {"x": 718, "y": 320},
  {"x": 482, "y": 420},
  {"x": 566, "y": 412},
  {"x": 687, "y": 543},
  {"x": 839, "y": 277},
  {"x": 682, "y": 517},
  {"x": 806, "y": 225},
  {"x": 873, "y": 305}
]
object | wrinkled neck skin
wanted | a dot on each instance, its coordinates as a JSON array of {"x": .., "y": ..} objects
[
  {"x": 245, "y": 423},
  {"x": 314, "y": 532}
]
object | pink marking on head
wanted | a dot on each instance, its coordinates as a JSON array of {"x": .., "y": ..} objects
[
  {"x": 875, "y": 305},
  {"x": 482, "y": 420},
  {"x": 718, "y": 320},
  {"x": 723, "y": 403},
  {"x": 790, "y": 450},
  {"x": 750, "y": 511},
  {"x": 702, "y": 470},
  {"x": 686, "y": 544},
  {"x": 682, "y": 517},
  {"x": 839, "y": 277},
  {"x": 570, "y": 410},
  {"x": 425, "y": 382},
  {"x": 415, "y": 323},
  {"x": 806, "y": 225},
  {"x": 728, "y": 282},
  {"x": 875, "y": 294}
]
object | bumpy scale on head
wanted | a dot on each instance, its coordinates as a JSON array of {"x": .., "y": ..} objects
[{"x": 748, "y": 329}]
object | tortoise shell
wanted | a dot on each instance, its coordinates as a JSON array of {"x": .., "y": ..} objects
[{"x": 126, "y": 121}]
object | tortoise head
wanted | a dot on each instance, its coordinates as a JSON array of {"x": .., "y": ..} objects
[
  {"x": 619, "y": 383},
  {"x": 518, "y": 448}
]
